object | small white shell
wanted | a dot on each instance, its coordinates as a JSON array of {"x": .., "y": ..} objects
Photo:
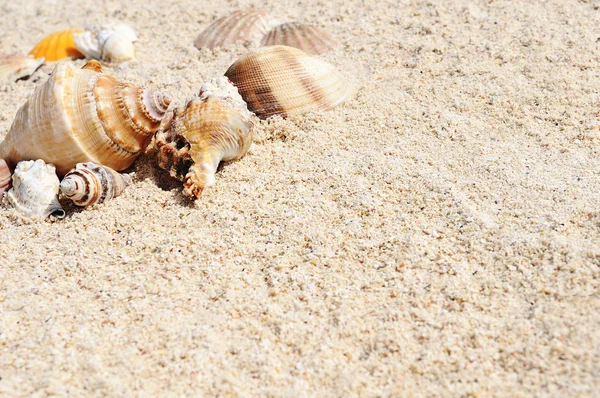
[
  {"x": 5, "y": 179},
  {"x": 35, "y": 189},
  {"x": 111, "y": 43},
  {"x": 14, "y": 67}
]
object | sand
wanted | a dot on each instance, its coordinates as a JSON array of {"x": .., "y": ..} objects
[{"x": 437, "y": 235}]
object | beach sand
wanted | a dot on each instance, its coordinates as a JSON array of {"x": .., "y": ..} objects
[{"x": 436, "y": 235}]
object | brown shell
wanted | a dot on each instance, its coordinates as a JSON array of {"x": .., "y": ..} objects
[
  {"x": 5, "y": 178},
  {"x": 89, "y": 184},
  {"x": 282, "y": 80},
  {"x": 238, "y": 26},
  {"x": 57, "y": 46},
  {"x": 308, "y": 38}
]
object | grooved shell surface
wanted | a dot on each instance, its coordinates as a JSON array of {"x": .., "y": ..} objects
[
  {"x": 282, "y": 80},
  {"x": 308, "y": 38},
  {"x": 90, "y": 184},
  {"x": 57, "y": 46},
  {"x": 14, "y": 66}
]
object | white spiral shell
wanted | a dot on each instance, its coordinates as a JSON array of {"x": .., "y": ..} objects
[{"x": 88, "y": 184}]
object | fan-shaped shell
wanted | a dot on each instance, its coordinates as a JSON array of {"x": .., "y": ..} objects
[
  {"x": 5, "y": 177},
  {"x": 35, "y": 189},
  {"x": 80, "y": 115},
  {"x": 57, "y": 46},
  {"x": 240, "y": 25},
  {"x": 15, "y": 66},
  {"x": 308, "y": 38},
  {"x": 282, "y": 80},
  {"x": 89, "y": 184},
  {"x": 112, "y": 43},
  {"x": 214, "y": 126}
]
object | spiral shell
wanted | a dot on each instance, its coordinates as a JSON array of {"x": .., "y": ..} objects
[
  {"x": 308, "y": 38},
  {"x": 14, "y": 67},
  {"x": 111, "y": 43},
  {"x": 80, "y": 115},
  {"x": 35, "y": 189},
  {"x": 282, "y": 80},
  {"x": 238, "y": 26},
  {"x": 5, "y": 177},
  {"x": 57, "y": 46},
  {"x": 214, "y": 126},
  {"x": 89, "y": 184}
]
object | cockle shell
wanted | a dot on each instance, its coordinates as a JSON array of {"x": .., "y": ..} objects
[
  {"x": 282, "y": 80},
  {"x": 81, "y": 115},
  {"x": 35, "y": 189},
  {"x": 14, "y": 66},
  {"x": 5, "y": 177},
  {"x": 214, "y": 126},
  {"x": 57, "y": 46},
  {"x": 111, "y": 43},
  {"x": 238, "y": 26},
  {"x": 89, "y": 184},
  {"x": 308, "y": 38}
]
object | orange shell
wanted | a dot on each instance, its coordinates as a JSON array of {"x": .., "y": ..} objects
[{"x": 57, "y": 46}]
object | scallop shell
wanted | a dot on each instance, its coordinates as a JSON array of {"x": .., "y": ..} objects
[
  {"x": 80, "y": 115},
  {"x": 57, "y": 46},
  {"x": 5, "y": 177},
  {"x": 14, "y": 67},
  {"x": 111, "y": 43},
  {"x": 89, "y": 184},
  {"x": 281, "y": 80},
  {"x": 35, "y": 189},
  {"x": 240, "y": 25},
  {"x": 214, "y": 126},
  {"x": 308, "y": 38}
]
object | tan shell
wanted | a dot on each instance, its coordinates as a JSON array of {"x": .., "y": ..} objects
[
  {"x": 14, "y": 66},
  {"x": 110, "y": 43},
  {"x": 5, "y": 177},
  {"x": 80, "y": 115},
  {"x": 308, "y": 38},
  {"x": 35, "y": 189},
  {"x": 238, "y": 26},
  {"x": 88, "y": 184},
  {"x": 281, "y": 80},
  {"x": 214, "y": 126}
]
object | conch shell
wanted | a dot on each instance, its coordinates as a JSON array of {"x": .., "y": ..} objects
[
  {"x": 238, "y": 26},
  {"x": 308, "y": 38},
  {"x": 90, "y": 184},
  {"x": 14, "y": 67},
  {"x": 57, "y": 46},
  {"x": 81, "y": 115},
  {"x": 282, "y": 80},
  {"x": 214, "y": 126},
  {"x": 111, "y": 43},
  {"x": 5, "y": 177},
  {"x": 35, "y": 189}
]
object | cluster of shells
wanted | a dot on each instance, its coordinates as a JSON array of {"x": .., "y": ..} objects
[{"x": 86, "y": 127}]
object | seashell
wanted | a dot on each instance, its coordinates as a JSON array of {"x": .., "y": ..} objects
[
  {"x": 57, "y": 46},
  {"x": 35, "y": 189},
  {"x": 5, "y": 177},
  {"x": 308, "y": 38},
  {"x": 214, "y": 126},
  {"x": 88, "y": 184},
  {"x": 240, "y": 25},
  {"x": 111, "y": 43},
  {"x": 14, "y": 67},
  {"x": 80, "y": 115},
  {"x": 281, "y": 80}
]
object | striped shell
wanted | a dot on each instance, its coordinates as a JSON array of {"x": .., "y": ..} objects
[
  {"x": 111, "y": 43},
  {"x": 5, "y": 178},
  {"x": 308, "y": 38},
  {"x": 57, "y": 46},
  {"x": 81, "y": 115},
  {"x": 281, "y": 80},
  {"x": 35, "y": 189},
  {"x": 214, "y": 126},
  {"x": 14, "y": 67},
  {"x": 240, "y": 25},
  {"x": 89, "y": 184}
]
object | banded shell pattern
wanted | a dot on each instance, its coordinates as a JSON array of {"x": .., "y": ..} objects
[
  {"x": 5, "y": 178},
  {"x": 14, "y": 66},
  {"x": 35, "y": 189},
  {"x": 214, "y": 126},
  {"x": 90, "y": 184},
  {"x": 57, "y": 46},
  {"x": 282, "y": 80},
  {"x": 111, "y": 43},
  {"x": 308, "y": 38},
  {"x": 238, "y": 26},
  {"x": 81, "y": 115}
]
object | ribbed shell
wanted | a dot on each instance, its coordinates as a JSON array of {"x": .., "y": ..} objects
[
  {"x": 15, "y": 66},
  {"x": 35, "y": 189},
  {"x": 282, "y": 80},
  {"x": 308, "y": 38},
  {"x": 90, "y": 184},
  {"x": 80, "y": 115},
  {"x": 240, "y": 25},
  {"x": 57, "y": 46},
  {"x": 210, "y": 128},
  {"x": 5, "y": 177}
]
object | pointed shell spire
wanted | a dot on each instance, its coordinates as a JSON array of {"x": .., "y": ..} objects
[{"x": 90, "y": 184}]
